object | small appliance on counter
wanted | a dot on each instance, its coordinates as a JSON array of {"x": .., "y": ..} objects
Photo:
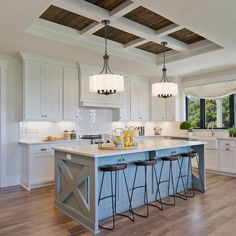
[{"x": 157, "y": 130}]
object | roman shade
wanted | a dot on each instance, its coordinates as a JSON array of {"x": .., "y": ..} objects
[{"x": 212, "y": 91}]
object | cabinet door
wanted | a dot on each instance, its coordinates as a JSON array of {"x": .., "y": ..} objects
[
  {"x": 125, "y": 100},
  {"x": 212, "y": 160},
  {"x": 70, "y": 93},
  {"x": 170, "y": 109},
  {"x": 158, "y": 109},
  {"x": 52, "y": 92},
  {"x": 33, "y": 79},
  {"x": 139, "y": 100},
  {"x": 228, "y": 159},
  {"x": 42, "y": 168}
]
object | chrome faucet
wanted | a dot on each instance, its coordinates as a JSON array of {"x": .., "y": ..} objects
[{"x": 211, "y": 125}]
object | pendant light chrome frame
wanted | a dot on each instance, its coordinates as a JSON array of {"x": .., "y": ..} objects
[
  {"x": 106, "y": 83},
  {"x": 164, "y": 89}
]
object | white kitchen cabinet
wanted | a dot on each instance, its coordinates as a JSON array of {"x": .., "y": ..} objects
[
  {"x": 139, "y": 100},
  {"x": 212, "y": 159},
  {"x": 52, "y": 92},
  {"x": 170, "y": 109},
  {"x": 70, "y": 93},
  {"x": 37, "y": 163},
  {"x": 42, "y": 91},
  {"x": 93, "y": 99},
  {"x": 158, "y": 109},
  {"x": 227, "y": 156},
  {"x": 163, "y": 109},
  {"x": 125, "y": 101}
]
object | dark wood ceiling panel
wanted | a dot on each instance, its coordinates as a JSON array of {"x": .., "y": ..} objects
[
  {"x": 153, "y": 47},
  {"x": 107, "y": 4},
  {"x": 116, "y": 35},
  {"x": 66, "y": 18},
  {"x": 186, "y": 36},
  {"x": 148, "y": 18}
]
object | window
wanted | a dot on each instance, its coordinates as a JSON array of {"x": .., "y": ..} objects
[{"x": 205, "y": 113}]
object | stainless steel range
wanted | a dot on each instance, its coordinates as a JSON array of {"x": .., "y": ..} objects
[{"x": 94, "y": 139}]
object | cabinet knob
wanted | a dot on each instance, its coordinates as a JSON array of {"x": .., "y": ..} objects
[
  {"x": 42, "y": 115},
  {"x": 46, "y": 116},
  {"x": 76, "y": 116}
]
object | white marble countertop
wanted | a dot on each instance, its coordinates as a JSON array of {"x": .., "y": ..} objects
[
  {"x": 144, "y": 146},
  {"x": 36, "y": 141}
]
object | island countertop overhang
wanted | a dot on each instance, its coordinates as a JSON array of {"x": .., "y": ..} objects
[{"x": 144, "y": 146}]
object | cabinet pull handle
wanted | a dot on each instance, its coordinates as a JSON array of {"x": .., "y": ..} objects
[
  {"x": 227, "y": 149},
  {"x": 227, "y": 144},
  {"x": 43, "y": 149},
  {"x": 46, "y": 116}
]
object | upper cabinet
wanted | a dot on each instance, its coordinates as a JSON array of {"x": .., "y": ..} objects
[
  {"x": 163, "y": 109},
  {"x": 139, "y": 97},
  {"x": 93, "y": 99},
  {"x": 50, "y": 89},
  {"x": 70, "y": 93}
]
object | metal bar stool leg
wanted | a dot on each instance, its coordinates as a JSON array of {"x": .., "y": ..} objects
[
  {"x": 200, "y": 176},
  {"x": 130, "y": 207},
  {"x": 181, "y": 176}
]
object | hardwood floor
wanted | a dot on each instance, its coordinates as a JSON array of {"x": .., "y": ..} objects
[{"x": 209, "y": 214}]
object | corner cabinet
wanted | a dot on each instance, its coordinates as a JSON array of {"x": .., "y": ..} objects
[
  {"x": 139, "y": 100},
  {"x": 50, "y": 89}
]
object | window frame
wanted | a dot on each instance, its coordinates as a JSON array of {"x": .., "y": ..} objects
[{"x": 203, "y": 112}]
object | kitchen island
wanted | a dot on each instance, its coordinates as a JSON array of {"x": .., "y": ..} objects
[{"x": 77, "y": 177}]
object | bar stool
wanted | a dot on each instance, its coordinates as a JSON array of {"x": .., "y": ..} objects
[
  {"x": 110, "y": 169},
  {"x": 190, "y": 156},
  {"x": 145, "y": 164},
  {"x": 170, "y": 180}
]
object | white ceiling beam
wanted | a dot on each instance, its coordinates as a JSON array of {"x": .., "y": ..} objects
[
  {"x": 168, "y": 29},
  {"x": 96, "y": 13},
  {"x": 124, "y": 8},
  {"x": 90, "y": 29},
  {"x": 54, "y": 31},
  {"x": 135, "y": 43}
]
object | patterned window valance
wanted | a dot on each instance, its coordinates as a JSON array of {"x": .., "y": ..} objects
[{"x": 210, "y": 91}]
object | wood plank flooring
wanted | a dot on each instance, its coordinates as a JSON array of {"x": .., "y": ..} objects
[{"x": 25, "y": 213}]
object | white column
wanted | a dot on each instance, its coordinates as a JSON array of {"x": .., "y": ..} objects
[{"x": 219, "y": 113}]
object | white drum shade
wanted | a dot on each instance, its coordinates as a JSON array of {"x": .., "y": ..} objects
[
  {"x": 106, "y": 82},
  {"x": 164, "y": 89}
]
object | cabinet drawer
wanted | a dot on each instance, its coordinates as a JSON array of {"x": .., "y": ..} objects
[
  {"x": 42, "y": 149},
  {"x": 227, "y": 143}
]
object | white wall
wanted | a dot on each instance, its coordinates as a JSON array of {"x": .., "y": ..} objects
[{"x": 13, "y": 115}]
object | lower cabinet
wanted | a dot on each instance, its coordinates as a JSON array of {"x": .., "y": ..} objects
[
  {"x": 212, "y": 159},
  {"x": 37, "y": 164},
  {"x": 227, "y": 156},
  {"x": 228, "y": 160}
]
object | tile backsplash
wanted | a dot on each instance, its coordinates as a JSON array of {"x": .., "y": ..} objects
[{"x": 90, "y": 121}]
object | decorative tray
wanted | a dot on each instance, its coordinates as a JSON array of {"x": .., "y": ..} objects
[{"x": 106, "y": 147}]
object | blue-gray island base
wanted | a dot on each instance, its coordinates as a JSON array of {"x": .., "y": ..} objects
[{"x": 77, "y": 177}]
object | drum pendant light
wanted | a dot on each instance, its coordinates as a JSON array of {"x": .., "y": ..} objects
[
  {"x": 106, "y": 83},
  {"x": 164, "y": 89}
]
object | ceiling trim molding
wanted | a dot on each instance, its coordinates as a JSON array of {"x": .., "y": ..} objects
[
  {"x": 61, "y": 33},
  {"x": 98, "y": 14}
]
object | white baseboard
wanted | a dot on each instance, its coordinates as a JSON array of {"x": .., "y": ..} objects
[{"x": 12, "y": 180}]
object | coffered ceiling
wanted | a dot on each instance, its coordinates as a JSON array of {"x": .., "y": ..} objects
[
  {"x": 134, "y": 29},
  {"x": 24, "y": 26}
]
